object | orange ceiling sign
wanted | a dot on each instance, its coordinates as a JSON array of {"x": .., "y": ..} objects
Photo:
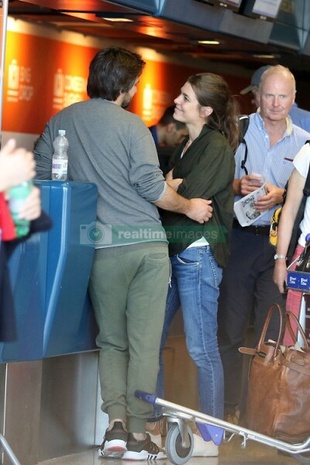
[{"x": 42, "y": 76}]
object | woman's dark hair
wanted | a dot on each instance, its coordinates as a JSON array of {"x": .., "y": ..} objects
[
  {"x": 112, "y": 71},
  {"x": 213, "y": 91}
]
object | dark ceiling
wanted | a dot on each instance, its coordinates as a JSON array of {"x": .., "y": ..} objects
[{"x": 178, "y": 36}]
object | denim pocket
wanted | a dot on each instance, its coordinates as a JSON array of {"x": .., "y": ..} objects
[{"x": 185, "y": 260}]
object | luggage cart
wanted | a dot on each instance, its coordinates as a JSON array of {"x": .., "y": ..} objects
[
  {"x": 179, "y": 439},
  {"x": 6, "y": 448},
  {"x": 298, "y": 280}
]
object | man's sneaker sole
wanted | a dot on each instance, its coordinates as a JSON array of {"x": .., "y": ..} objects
[
  {"x": 143, "y": 455},
  {"x": 113, "y": 449},
  {"x": 114, "y": 443},
  {"x": 110, "y": 455}
]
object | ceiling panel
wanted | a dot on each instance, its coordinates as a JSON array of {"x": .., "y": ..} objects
[{"x": 242, "y": 40}]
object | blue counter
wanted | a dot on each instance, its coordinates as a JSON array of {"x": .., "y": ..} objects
[{"x": 50, "y": 273}]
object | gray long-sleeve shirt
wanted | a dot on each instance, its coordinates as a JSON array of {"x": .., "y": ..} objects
[{"x": 114, "y": 149}]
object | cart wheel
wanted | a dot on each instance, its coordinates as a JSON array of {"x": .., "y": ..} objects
[
  {"x": 302, "y": 458},
  {"x": 174, "y": 450}
]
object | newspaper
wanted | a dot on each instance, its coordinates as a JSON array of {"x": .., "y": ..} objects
[{"x": 245, "y": 208}]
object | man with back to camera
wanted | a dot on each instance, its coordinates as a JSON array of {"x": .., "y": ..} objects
[
  {"x": 129, "y": 281},
  {"x": 167, "y": 134},
  {"x": 299, "y": 116},
  {"x": 247, "y": 285}
]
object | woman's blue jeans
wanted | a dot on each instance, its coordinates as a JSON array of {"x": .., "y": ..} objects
[{"x": 195, "y": 282}]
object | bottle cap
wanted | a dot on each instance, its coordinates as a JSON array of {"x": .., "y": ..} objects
[{"x": 62, "y": 132}]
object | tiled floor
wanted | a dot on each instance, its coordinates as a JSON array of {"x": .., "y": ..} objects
[{"x": 231, "y": 453}]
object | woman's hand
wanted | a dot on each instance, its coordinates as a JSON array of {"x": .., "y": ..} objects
[
  {"x": 16, "y": 165},
  {"x": 280, "y": 274},
  {"x": 31, "y": 208},
  {"x": 174, "y": 183}
]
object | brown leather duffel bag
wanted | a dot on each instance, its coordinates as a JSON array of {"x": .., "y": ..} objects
[{"x": 278, "y": 402}]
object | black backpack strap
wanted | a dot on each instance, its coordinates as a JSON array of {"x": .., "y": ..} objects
[
  {"x": 244, "y": 121},
  {"x": 300, "y": 214},
  {"x": 306, "y": 189},
  {"x": 245, "y": 157}
]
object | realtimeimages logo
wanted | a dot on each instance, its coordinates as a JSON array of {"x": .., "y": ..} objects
[
  {"x": 103, "y": 235},
  {"x": 96, "y": 234}
]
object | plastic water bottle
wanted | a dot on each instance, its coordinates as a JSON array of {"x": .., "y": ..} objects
[
  {"x": 17, "y": 196},
  {"x": 60, "y": 157}
]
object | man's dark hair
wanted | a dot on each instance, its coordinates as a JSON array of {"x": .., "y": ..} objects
[
  {"x": 112, "y": 71},
  {"x": 168, "y": 118}
]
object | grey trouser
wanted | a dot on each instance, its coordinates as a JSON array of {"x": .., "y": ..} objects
[{"x": 128, "y": 289}]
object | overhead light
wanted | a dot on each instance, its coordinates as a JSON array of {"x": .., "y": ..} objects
[
  {"x": 209, "y": 42},
  {"x": 117, "y": 17},
  {"x": 265, "y": 56},
  {"x": 118, "y": 20}
]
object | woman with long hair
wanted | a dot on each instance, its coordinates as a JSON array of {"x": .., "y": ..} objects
[{"x": 202, "y": 166}]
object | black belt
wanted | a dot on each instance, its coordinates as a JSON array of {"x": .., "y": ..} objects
[{"x": 257, "y": 230}]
